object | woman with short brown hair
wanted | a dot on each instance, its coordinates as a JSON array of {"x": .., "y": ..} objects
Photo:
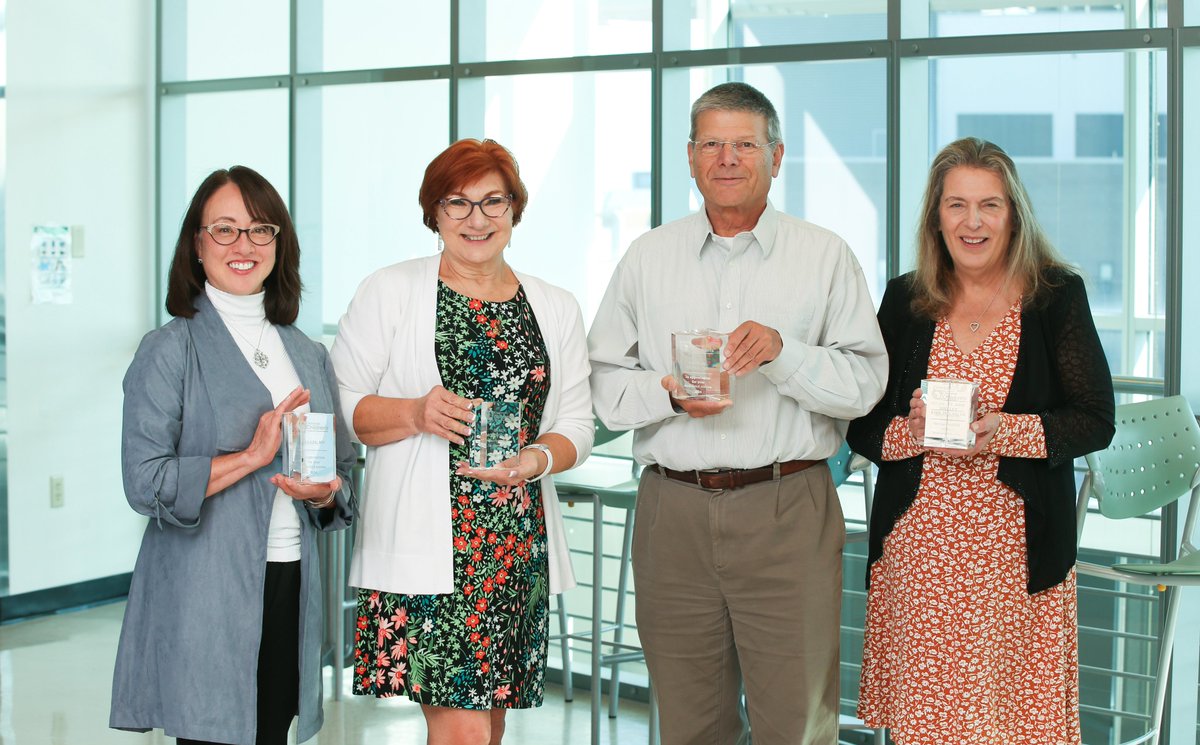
[{"x": 455, "y": 564}]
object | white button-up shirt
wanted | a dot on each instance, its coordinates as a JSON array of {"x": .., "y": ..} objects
[{"x": 797, "y": 278}]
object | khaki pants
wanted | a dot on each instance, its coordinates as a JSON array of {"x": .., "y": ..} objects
[{"x": 742, "y": 581}]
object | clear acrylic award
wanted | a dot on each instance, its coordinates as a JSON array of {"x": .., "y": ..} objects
[
  {"x": 308, "y": 447},
  {"x": 495, "y": 434},
  {"x": 696, "y": 365},
  {"x": 950, "y": 407}
]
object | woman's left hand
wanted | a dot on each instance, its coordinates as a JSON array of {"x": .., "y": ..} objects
[
  {"x": 317, "y": 494},
  {"x": 526, "y": 465},
  {"x": 984, "y": 428}
]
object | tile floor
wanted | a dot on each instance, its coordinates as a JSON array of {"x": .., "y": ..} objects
[{"x": 56, "y": 672}]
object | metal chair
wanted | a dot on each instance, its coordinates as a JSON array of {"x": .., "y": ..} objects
[
  {"x": 1153, "y": 461},
  {"x": 613, "y": 484}
]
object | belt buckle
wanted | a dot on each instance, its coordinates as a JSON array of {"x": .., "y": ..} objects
[
  {"x": 776, "y": 471},
  {"x": 712, "y": 473}
]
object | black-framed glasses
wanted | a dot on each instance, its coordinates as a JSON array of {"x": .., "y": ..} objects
[
  {"x": 744, "y": 148},
  {"x": 227, "y": 235},
  {"x": 460, "y": 208}
]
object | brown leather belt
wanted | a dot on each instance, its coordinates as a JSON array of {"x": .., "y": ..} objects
[{"x": 735, "y": 478}]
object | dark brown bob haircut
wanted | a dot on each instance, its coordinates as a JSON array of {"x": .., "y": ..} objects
[
  {"x": 461, "y": 165},
  {"x": 282, "y": 286}
]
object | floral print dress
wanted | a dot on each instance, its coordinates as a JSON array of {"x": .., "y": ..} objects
[
  {"x": 956, "y": 649},
  {"x": 482, "y": 646}
]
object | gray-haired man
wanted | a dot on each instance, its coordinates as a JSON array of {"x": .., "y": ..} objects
[{"x": 738, "y": 541}]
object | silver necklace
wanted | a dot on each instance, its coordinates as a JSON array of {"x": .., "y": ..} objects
[
  {"x": 975, "y": 324},
  {"x": 260, "y": 357}
]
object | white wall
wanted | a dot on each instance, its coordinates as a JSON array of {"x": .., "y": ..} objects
[{"x": 80, "y": 152}]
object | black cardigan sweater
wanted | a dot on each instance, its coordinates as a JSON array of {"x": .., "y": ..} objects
[{"x": 1061, "y": 375}]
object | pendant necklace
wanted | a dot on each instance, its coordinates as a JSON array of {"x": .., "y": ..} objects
[
  {"x": 975, "y": 324},
  {"x": 260, "y": 358}
]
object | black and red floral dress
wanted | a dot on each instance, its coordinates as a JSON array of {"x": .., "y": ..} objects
[{"x": 484, "y": 645}]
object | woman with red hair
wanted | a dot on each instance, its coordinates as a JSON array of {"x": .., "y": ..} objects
[{"x": 455, "y": 563}]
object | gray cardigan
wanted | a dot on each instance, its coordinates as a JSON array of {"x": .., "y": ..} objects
[{"x": 188, "y": 655}]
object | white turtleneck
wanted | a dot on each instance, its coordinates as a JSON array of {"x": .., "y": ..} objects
[{"x": 246, "y": 320}]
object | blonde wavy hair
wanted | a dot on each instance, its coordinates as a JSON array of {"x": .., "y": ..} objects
[{"x": 1033, "y": 262}]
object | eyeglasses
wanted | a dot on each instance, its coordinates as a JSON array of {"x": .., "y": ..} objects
[
  {"x": 744, "y": 148},
  {"x": 227, "y": 235},
  {"x": 460, "y": 208}
]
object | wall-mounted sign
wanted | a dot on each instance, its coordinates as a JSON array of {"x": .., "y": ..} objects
[{"x": 51, "y": 248}]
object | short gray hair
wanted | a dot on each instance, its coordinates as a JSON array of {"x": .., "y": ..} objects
[{"x": 737, "y": 97}]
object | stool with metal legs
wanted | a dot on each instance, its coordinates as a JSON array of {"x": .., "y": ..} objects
[
  {"x": 606, "y": 482},
  {"x": 563, "y": 637}
]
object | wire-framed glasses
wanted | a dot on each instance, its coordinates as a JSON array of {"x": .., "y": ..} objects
[
  {"x": 744, "y": 148},
  {"x": 460, "y": 208},
  {"x": 226, "y": 234}
]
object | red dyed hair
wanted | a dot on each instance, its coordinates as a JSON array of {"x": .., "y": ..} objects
[{"x": 461, "y": 165}]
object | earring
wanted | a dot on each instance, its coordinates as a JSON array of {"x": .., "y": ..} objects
[
  {"x": 441, "y": 245},
  {"x": 199, "y": 260}
]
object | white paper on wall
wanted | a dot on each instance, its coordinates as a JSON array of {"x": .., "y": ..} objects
[{"x": 51, "y": 253}]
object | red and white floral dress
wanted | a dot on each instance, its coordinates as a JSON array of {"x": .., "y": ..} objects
[{"x": 956, "y": 650}]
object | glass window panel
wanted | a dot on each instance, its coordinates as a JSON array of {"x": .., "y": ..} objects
[
  {"x": 362, "y": 157},
  {"x": 720, "y": 24},
  {"x": 3, "y": 332},
  {"x": 197, "y": 139},
  {"x": 535, "y": 29},
  {"x": 975, "y": 18},
  {"x": 1113, "y": 660},
  {"x": 1023, "y": 134},
  {"x": 365, "y": 34},
  {"x": 1097, "y": 185},
  {"x": 213, "y": 39},
  {"x": 1190, "y": 271},
  {"x": 3, "y": 42},
  {"x": 834, "y": 170},
  {"x": 1099, "y": 135},
  {"x": 585, "y": 162}
]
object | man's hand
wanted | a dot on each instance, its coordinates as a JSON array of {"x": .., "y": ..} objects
[
  {"x": 695, "y": 407},
  {"x": 750, "y": 345}
]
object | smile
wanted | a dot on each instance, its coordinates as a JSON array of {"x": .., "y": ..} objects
[
  {"x": 242, "y": 266},
  {"x": 973, "y": 241},
  {"x": 477, "y": 238}
]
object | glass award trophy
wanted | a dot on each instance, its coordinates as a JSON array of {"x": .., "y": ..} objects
[
  {"x": 950, "y": 407},
  {"x": 308, "y": 447},
  {"x": 495, "y": 435},
  {"x": 696, "y": 365}
]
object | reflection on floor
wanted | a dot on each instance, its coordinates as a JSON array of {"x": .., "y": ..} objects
[{"x": 56, "y": 673}]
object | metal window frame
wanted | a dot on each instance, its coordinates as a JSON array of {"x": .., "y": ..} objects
[{"x": 895, "y": 48}]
